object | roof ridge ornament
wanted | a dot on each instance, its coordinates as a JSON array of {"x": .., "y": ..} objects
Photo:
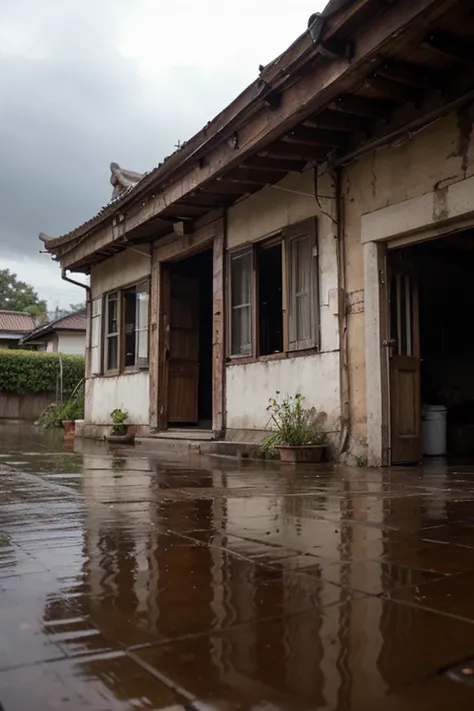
[{"x": 122, "y": 179}]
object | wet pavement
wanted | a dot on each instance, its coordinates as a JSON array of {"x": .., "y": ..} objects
[{"x": 132, "y": 582}]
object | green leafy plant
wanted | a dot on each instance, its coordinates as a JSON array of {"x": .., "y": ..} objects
[
  {"x": 32, "y": 373},
  {"x": 119, "y": 417},
  {"x": 292, "y": 424},
  {"x": 72, "y": 409}
]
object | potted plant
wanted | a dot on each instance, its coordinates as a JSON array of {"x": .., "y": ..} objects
[
  {"x": 298, "y": 433},
  {"x": 120, "y": 433}
]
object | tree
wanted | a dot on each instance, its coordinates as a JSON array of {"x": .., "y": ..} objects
[
  {"x": 76, "y": 308},
  {"x": 16, "y": 295}
]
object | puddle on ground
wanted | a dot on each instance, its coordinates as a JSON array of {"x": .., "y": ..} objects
[{"x": 132, "y": 581}]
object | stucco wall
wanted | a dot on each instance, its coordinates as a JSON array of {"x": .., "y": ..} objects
[
  {"x": 72, "y": 343},
  {"x": 249, "y": 386},
  {"x": 439, "y": 155},
  {"x": 125, "y": 268},
  {"x": 129, "y": 392}
]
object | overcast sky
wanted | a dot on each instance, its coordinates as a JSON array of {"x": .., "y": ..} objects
[{"x": 87, "y": 82}]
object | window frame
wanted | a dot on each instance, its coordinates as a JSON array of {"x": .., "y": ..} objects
[
  {"x": 291, "y": 234},
  {"x": 291, "y": 348},
  {"x": 138, "y": 287},
  {"x": 233, "y": 255},
  {"x": 114, "y": 334}
]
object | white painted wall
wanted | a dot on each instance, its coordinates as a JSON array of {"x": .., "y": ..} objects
[
  {"x": 128, "y": 267},
  {"x": 72, "y": 343},
  {"x": 249, "y": 386},
  {"x": 128, "y": 392}
]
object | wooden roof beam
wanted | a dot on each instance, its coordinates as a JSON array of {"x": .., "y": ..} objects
[
  {"x": 299, "y": 151},
  {"x": 451, "y": 46},
  {"x": 393, "y": 91},
  {"x": 360, "y": 106},
  {"x": 409, "y": 74},
  {"x": 256, "y": 176},
  {"x": 338, "y": 121},
  {"x": 229, "y": 187},
  {"x": 288, "y": 165},
  {"x": 315, "y": 137}
]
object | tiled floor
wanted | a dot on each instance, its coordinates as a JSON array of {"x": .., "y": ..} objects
[{"x": 130, "y": 582}]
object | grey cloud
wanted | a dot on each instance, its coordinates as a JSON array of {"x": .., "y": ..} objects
[{"x": 65, "y": 116}]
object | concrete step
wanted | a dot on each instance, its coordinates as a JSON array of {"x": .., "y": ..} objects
[{"x": 223, "y": 448}]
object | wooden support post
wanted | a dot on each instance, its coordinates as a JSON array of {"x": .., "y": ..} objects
[
  {"x": 218, "y": 340},
  {"x": 154, "y": 338}
]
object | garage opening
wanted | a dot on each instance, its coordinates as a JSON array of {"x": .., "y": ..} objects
[
  {"x": 190, "y": 342},
  {"x": 431, "y": 347}
]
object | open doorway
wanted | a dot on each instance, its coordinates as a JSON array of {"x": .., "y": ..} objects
[
  {"x": 189, "y": 356},
  {"x": 431, "y": 345}
]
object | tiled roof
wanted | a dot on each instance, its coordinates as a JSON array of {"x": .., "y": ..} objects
[
  {"x": 71, "y": 322},
  {"x": 16, "y": 321}
]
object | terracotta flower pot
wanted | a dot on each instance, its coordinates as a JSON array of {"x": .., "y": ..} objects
[
  {"x": 69, "y": 426},
  {"x": 313, "y": 453}
]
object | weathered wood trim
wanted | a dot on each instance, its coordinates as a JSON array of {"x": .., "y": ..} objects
[
  {"x": 218, "y": 342},
  {"x": 186, "y": 245},
  {"x": 164, "y": 345}
]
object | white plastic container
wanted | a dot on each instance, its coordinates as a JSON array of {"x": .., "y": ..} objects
[{"x": 433, "y": 430}]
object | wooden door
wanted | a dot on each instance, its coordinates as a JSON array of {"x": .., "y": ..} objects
[
  {"x": 183, "y": 368},
  {"x": 404, "y": 360}
]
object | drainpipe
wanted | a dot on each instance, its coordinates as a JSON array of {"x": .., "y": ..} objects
[
  {"x": 64, "y": 277},
  {"x": 343, "y": 326}
]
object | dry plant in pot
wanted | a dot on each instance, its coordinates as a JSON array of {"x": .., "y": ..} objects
[
  {"x": 120, "y": 433},
  {"x": 298, "y": 433}
]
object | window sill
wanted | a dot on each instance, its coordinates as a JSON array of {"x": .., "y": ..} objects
[
  {"x": 118, "y": 373},
  {"x": 246, "y": 360}
]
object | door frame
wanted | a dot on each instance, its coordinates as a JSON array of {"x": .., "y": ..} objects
[
  {"x": 208, "y": 237},
  {"x": 395, "y": 226}
]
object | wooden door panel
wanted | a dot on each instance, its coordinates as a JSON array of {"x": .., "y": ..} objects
[
  {"x": 183, "y": 378},
  {"x": 405, "y": 409},
  {"x": 405, "y": 397}
]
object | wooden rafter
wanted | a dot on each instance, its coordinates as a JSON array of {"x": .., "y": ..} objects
[
  {"x": 360, "y": 106},
  {"x": 451, "y": 46},
  {"x": 394, "y": 91},
  {"x": 410, "y": 74},
  {"x": 255, "y": 176},
  {"x": 288, "y": 165},
  {"x": 316, "y": 137},
  {"x": 338, "y": 121}
]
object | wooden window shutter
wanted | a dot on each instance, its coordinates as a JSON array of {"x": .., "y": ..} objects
[
  {"x": 303, "y": 286},
  {"x": 96, "y": 336},
  {"x": 241, "y": 297}
]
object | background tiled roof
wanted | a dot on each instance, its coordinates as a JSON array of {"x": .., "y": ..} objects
[{"x": 16, "y": 321}]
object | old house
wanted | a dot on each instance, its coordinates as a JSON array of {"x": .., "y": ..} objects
[
  {"x": 63, "y": 335},
  {"x": 13, "y": 326},
  {"x": 316, "y": 236}
]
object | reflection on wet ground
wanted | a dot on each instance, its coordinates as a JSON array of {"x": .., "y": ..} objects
[{"x": 134, "y": 582}]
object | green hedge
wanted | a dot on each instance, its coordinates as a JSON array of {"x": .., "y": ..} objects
[{"x": 32, "y": 373}]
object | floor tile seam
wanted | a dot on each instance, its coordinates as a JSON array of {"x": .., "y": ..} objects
[{"x": 233, "y": 627}]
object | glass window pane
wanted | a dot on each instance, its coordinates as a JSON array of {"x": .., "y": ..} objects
[
  {"x": 241, "y": 279},
  {"x": 112, "y": 353},
  {"x": 112, "y": 314},
  {"x": 301, "y": 281},
  {"x": 130, "y": 322},
  {"x": 241, "y": 313}
]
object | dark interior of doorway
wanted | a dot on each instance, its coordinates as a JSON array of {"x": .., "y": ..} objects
[
  {"x": 445, "y": 269},
  {"x": 200, "y": 266}
]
